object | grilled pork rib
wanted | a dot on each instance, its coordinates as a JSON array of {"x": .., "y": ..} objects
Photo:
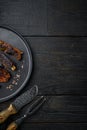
[
  {"x": 7, "y": 48},
  {"x": 4, "y": 75},
  {"x": 6, "y": 62}
]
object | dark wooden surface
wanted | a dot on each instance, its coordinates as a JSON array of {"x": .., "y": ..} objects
[{"x": 56, "y": 31}]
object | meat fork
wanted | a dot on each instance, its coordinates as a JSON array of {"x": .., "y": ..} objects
[{"x": 31, "y": 110}]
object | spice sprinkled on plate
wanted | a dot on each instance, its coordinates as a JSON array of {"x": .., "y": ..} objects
[{"x": 10, "y": 87}]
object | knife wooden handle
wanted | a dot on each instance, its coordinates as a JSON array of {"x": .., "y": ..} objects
[
  {"x": 12, "y": 126},
  {"x": 6, "y": 113}
]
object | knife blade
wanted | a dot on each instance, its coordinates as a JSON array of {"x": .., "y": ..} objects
[{"x": 21, "y": 101}]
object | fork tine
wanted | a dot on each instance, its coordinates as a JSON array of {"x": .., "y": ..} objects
[
  {"x": 36, "y": 104},
  {"x": 32, "y": 108}
]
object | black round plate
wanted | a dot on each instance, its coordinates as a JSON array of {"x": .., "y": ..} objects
[{"x": 24, "y": 67}]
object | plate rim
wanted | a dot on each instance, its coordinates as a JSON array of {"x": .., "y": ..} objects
[{"x": 31, "y": 64}]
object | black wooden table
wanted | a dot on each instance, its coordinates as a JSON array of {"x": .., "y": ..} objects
[{"x": 56, "y": 31}]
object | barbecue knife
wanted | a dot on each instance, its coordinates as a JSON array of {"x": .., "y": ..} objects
[{"x": 21, "y": 101}]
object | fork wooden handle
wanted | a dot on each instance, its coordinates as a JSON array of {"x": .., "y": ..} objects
[
  {"x": 12, "y": 126},
  {"x": 6, "y": 113}
]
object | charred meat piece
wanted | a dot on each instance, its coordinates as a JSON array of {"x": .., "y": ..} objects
[
  {"x": 4, "y": 75},
  {"x": 7, "y": 48},
  {"x": 6, "y": 62}
]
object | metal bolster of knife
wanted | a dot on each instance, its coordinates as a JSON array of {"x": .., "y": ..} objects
[{"x": 7, "y": 112}]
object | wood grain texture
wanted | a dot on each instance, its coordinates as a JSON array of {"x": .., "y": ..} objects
[
  {"x": 45, "y": 17},
  {"x": 29, "y": 17},
  {"x": 55, "y": 126},
  {"x": 62, "y": 109},
  {"x": 67, "y": 17},
  {"x": 58, "y": 109},
  {"x": 60, "y": 65},
  {"x": 51, "y": 126}
]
